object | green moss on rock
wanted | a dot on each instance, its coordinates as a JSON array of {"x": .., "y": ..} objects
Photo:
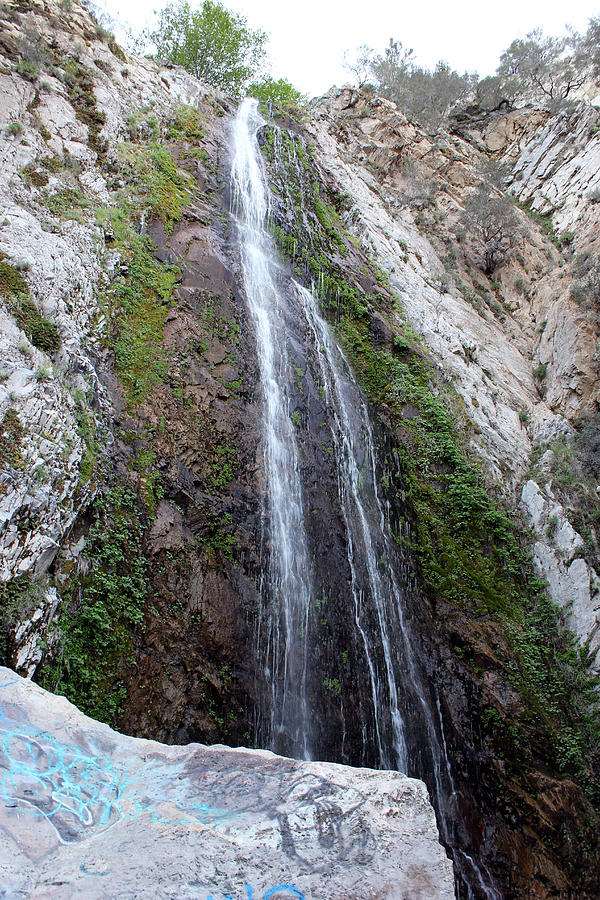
[
  {"x": 102, "y": 611},
  {"x": 42, "y": 333}
]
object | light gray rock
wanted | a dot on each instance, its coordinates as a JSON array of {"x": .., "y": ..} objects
[
  {"x": 572, "y": 583},
  {"x": 489, "y": 364},
  {"x": 87, "y": 812}
]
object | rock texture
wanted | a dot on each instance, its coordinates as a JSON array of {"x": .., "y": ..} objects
[
  {"x": 558, "y": 554},
  {"x": 89, "y": 812},
  {"x": 62, "y": 258}
]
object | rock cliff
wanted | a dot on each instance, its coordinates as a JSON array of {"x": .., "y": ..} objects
[{"x": 132, "y": 535}]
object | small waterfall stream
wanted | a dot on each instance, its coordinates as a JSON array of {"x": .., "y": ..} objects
[
  {"x": 289, "y": 572},
  {"x": 402, "y": 726}
]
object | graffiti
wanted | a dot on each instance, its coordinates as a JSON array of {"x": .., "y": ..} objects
[
  {"x": 273, "y": 892},
  {"x": 76, "y": 791},
  {"x": 76, "y": 779}
]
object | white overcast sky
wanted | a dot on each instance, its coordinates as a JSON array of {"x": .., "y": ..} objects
[{"x": 308, "y": 37}]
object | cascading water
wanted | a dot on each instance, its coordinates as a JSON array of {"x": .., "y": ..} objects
[
  {"x": 399, "y": 722},
  {"x": 289, "y": 572}
]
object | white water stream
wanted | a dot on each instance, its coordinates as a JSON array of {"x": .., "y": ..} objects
[
  {"x": 375, "y": 595},
  {"x": 289, "y": 575}
]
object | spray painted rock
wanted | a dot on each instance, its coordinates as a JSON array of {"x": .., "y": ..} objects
[{"x": 89, "y": 813}]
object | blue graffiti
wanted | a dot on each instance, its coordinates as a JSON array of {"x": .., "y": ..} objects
[
  {"x": 74, "y": 790},
  {"x": 284, "y": 887},
  {"x": 290, "y": 889}
]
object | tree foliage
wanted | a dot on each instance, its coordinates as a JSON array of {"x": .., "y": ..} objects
[
  {"x": 212, "y": 43},
  {"x": 424, "y": 95},
  {"x": 490, "y": 218},
  {"x": 542, "y": 66},
  {"x": 535, "y": 68},
  {"x": 279, "y": 92}
]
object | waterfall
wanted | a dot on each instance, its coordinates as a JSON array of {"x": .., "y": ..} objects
[
  {"x": 395, "y": 717},
  {"x": 288, "y": 577}
]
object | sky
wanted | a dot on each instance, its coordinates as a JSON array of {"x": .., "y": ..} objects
[{"x": 308, "y": 38}]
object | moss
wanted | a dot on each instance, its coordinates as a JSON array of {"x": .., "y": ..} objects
[
  {"x": 102, "y": 611},
  {"x": 42, "y": 333},
  {"x": 11, "y": 440},
  {"x": 163, "y": 188},
  {"x": 137, "y": 303}
]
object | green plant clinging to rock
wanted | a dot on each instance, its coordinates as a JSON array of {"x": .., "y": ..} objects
[
  {"x": 42, "y": 333},
  {"x": 96, "y": 626}
]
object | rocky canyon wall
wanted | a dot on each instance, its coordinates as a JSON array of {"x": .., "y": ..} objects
[{"x": 132, "y": 537}]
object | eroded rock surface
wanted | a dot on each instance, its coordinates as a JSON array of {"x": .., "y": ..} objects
[{"x": 92, "y": 813}]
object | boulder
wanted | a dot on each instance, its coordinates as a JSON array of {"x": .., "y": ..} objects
[{"x": 87, "y": 812}]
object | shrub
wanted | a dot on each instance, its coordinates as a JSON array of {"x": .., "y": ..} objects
[
  {"x": 280, "y": 93},
  {"x": 215, "y": 45},
  {"x": 42, "y": 333}
]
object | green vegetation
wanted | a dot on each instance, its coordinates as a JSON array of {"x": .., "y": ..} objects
[
  {"x": 86, "y": 427},
  {"x": 136, "y": 304},
  {"x": 151, "y": 489},
  {"x": 469, "y": 551},
  {"x": 161, "y": 186},
  {"x": 66, "y": 203},
  {"x": 11, "y": 438},
  {"x": 218, "y": 535},
  {"x": 17, "y": 601},
  {"x": 332, "y": 686},
  {"x": 573, "y": 465},
  {"x": 280, "y": 93},
  {"x": 215, "y": 45},
  {"x": 42, "y": 333},
  {"x": 537, "y": 67},
  {"x": 224, "y": 469},
  {"x": 79, "y": 83},
  {"x": 185, "y": 125},
  {"x": 102, "y": 611}
]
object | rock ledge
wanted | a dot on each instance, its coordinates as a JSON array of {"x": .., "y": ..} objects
[{"x": 87, "y": 812}]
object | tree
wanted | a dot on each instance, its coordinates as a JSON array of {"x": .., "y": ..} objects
[
  {"x": 542, "y": 67},
  {"x": 425, "y": 96},
  {"x": 360, "y": 64},
  {"x": 215, "y": 45},
  {"x": 391, "y": 71},
  {"x": 490, "y": 218},
  {"x": 281, "y": 93},
  {"x": 588, "y": 48}
]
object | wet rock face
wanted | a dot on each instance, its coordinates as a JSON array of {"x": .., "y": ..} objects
[
  {"x": 187, "y": 449},
  {"x": 194, "y": 670},
  {"x": 199, "y": 821}
]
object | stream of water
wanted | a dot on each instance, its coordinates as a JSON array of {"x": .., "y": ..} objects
[{"x": 376, "y": 593}]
